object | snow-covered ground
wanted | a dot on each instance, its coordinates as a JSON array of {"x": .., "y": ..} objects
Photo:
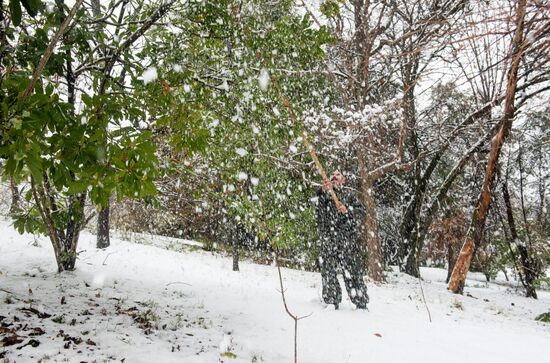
[{"x": 140, "y": 303}]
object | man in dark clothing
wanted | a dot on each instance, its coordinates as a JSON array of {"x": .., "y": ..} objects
[{"x": 338, "y": 230}]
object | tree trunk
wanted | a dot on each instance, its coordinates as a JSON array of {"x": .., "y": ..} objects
[
  {"x": 238, "y": 236},
  {"x": 529, "y": 275},
  {"x": 451, "y": 261},
  {"x": 103, "y": 227},
  {"x": 541, "y": 221},
  {"x": 235, "y": 251},
  {"x": 477, "y": 225},
  {"x": 505, "y": 274},
  {"x": 369, "y": 232},
  {"x": 362, "y": 50},
  {"x": 64, "y": 250},
  {"x": 3, "y": 33},
  {"x": 15, "y": 197},
  {"x": 409, "y": 248}
]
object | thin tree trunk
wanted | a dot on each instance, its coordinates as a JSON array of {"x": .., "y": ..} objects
[
  {"x": 522, "y": 199},
  {"x": 508, "y": 239},
  {"x": 40, "y": 202},
  {"x": 477, "y": 225},
  {"x": 15, "y": 197},
  {"x": 411, "y": 244},
  {"x": 362, "y": 50},
  {"x": 451, "y": 261},
  {"x": 526, "y": 263},
  {"x": 505, "y": 274},
  {"x": 235, "y": 252},
  {"x": 74, "y": 226},
  {"x": 542, "y": 192},
  {"x": 369, "y": 234},
  {"x": 410, "y": 247},
  {"x": 3, "y": 33},
  {"x": 103, "y": 240},
  {"x": 49, "y": 50}
]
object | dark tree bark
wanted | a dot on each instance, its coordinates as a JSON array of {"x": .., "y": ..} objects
[
  {"x": 235, "y": 252},
  {"x": 64, "y": 242},
  {"x": 74, "y": 226},
  {"x": 369, "y": 232},
  {"x": 238, "y": 238},
  {"x": 529, "y": 275},
  {"x": 103, "y": 217},
  {"x": 451, "y": 261},
  {"x": 15, "y": 197}
]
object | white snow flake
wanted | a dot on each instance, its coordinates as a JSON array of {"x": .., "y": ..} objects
[
  {"x": 263, "y": 79},
  {"x": 150, "y": 75}
]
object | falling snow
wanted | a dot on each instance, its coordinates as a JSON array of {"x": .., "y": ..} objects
[{"x": 150, "y": 75}]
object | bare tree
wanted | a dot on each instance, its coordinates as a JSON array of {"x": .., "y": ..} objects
[{"x": 475, "y": 231}]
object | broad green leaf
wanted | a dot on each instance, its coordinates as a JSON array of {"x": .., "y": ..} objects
[
  {"x": 15, "y": 9},
  {"x": 31, "y": 6},
  {"x": 78, "y": 186}
]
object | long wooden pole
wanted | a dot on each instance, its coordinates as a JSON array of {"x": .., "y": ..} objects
[
  {"x": 313, "y": 154},
  {"x": 321, "y": 170}
]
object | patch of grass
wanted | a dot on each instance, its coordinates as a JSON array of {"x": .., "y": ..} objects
[
  {"x": 151, "y": 304},
  {"x": 60, "y": 319},
  {"x": 544, "y": 317},
  {"x": 176, "y": 247},
  {"x": 120, "y": 302},
  {"x": 146, "y": 319},
  {"x": 8, "y": 300},
  {"x": 543, "y": 283},
  {"x": 229, "y": 355},
  {"x": 178, "y": 323},
  {"x": 200, "y": 322},
  {"x": 256, "y": 359}
]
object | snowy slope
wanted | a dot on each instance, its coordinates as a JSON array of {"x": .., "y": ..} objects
[{"x": 201, "y": 309}]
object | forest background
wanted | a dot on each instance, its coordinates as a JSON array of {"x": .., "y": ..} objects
[{"x": 187, "y": 119}]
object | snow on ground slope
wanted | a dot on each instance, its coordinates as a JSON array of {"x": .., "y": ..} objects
[{"x": 139, "y": 303}]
